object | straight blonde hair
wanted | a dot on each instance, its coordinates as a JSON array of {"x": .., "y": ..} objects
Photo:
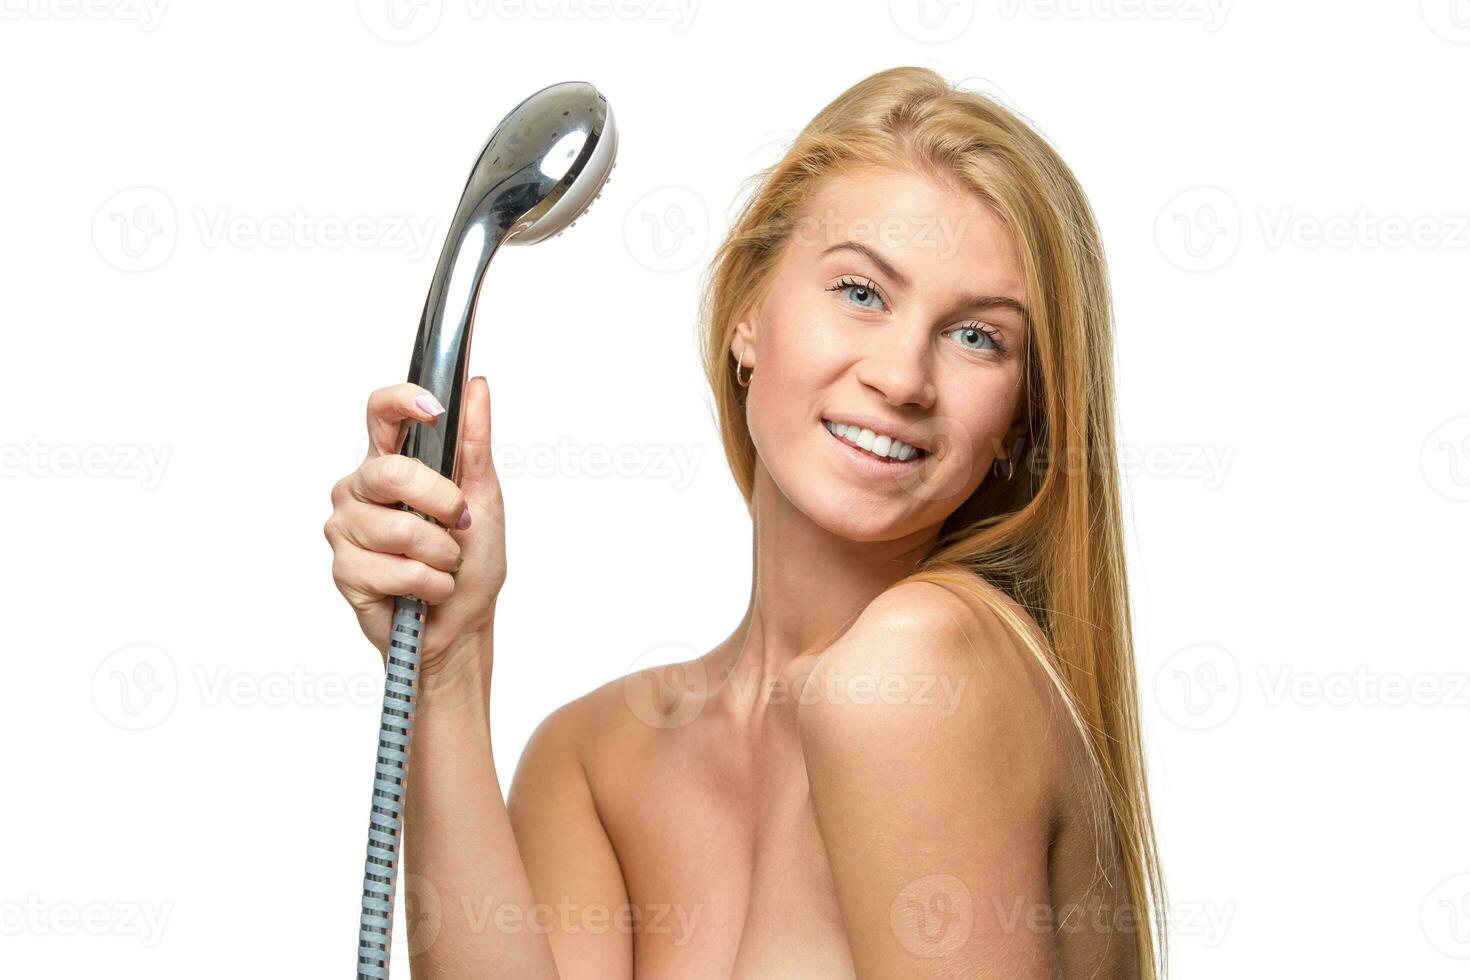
[{"x": 1051, "y": 537}]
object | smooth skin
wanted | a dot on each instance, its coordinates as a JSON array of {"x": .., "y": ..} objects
[{"x": 863, "y": 780}]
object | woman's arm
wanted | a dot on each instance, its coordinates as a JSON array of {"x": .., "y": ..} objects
[
  {"x": 496, "y": 897},
  {"x": 922, "y": 757},
  {"x": 471, "y": 881}
]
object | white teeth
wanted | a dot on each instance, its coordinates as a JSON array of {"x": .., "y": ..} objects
[{"x": 885, "y": 446}]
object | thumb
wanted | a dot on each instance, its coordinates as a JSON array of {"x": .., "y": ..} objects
[{"x": 476, "y": 468}]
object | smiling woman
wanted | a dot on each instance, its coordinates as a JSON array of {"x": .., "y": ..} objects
[
  {"x": 991, "y": 345},
  {"x": 917, "y": 754}
]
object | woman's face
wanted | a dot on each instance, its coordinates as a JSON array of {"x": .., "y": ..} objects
[{"x": 897, "y": 306}]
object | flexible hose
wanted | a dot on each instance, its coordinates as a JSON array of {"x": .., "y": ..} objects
[{"x": 390, "y": 787}]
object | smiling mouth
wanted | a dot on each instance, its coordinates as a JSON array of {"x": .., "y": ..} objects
[{"x": 880, "y": 448}]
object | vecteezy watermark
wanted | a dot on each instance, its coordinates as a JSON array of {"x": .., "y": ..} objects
[
  {"x": 400, "y": 21},
  {"x": 137, "y": 230},
  {"x": 1207, "y": 921},
  {"x": 423, "y": 915},
  {"x": 583, "y": 918},
  {"x": 425, "y": 908},
  {"x": 1445, "y": 916},
  {"x": 1445, "y": 459},
  {"x": 35, "y": 916},
  {"x": 407, "y": 21},
  {"x": 1362, "y": 687},
  {"x": 832, "y": 686},
  {"x": 1210, "y": 13},
  {"x": 940, "y": 232},
  {"x": 1208, "y": 464},
  {"x": 678, "y": 14},
  {"x": 667, "y": 229},
  {"x": 1198, "y": 230},
  {"x": 113, "y": 461},
  {"x": 221, "y": 685},
  {"x": 1201, "y": 229},
  {"x": 1202, "y": 686},
  {"x": 136, "y": 687},
  {"x": 147, "y": 14},
  {"x": 666, "y": 686},
  {"x": 1282, "y": 227},
  {"x": 675, "y": 463},
  {"x": 932, "y": 916},
  {"x": 1199, "y": 687},
  {"x": 411, "y": 234},
  {"x": 932, "y": 21},
  {"x": 1450, "y": 19}
]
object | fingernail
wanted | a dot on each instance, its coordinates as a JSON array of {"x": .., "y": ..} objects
[
  {"x": 429, "y": 404},
  {"x": 464, "y": 519}
]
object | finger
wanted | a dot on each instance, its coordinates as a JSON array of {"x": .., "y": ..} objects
[
  {"x": 374, "y": 575},
  {"x": 392, "y": 479},
  {"x": 477, "y": 476},
  {"x": 388, "y": 408},
  {"x": 389, "y": 530}
]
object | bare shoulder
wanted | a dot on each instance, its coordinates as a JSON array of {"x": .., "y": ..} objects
[
  {"x": 935, "y": 765},
  {"x": 551, "y": 764},
  {"x": 936, "y": 665},
  {"x": 963, "y": 612},
  {"x": 563, "y": 843},
  {"x": 596, "y": 718},
  {"x": 553, "y": 805},
  {"x": 612, "y": 722}
]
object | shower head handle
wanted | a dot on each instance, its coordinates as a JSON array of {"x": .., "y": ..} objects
[{"x": 540, "y": 169}]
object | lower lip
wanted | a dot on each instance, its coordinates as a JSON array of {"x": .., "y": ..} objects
[{"x": 868, "y": 464}]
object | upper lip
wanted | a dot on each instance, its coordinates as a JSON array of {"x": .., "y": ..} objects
[{"x": 892, "y": 430}]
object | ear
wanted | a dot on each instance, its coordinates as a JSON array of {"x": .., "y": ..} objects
[{"x": 742, "y": 343}]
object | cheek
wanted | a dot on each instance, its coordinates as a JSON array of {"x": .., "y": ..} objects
[
  {"x": 977, "y": 416},
  {"x": 802, "y": 342},
  {"x": 803, "y": 356},
  {"x": 800, "y": 354},
  {"x": 990, "y": 413}
]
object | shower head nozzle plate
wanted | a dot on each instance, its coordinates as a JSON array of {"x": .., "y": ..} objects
[{"x": 562, "y": 143}]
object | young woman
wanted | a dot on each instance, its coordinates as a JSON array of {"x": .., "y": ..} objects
[{"x": 918, "y": 754}]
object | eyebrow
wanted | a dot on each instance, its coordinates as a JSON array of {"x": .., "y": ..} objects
[{"x": 969, "y": 302}]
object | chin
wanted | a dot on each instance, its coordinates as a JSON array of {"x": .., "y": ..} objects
[{"x": 836, "y": 509}]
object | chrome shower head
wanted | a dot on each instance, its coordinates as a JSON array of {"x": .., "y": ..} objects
[
  {"x": 543, "y": 165},
  {"x": 540, "y": 170}
]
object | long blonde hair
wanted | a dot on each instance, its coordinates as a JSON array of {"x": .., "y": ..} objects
[{"x": 1050, "y": 537}]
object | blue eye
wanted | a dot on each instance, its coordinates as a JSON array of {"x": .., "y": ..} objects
[
  {"x": 863, "y": 290},
  {"x": 985, "y": 337}
]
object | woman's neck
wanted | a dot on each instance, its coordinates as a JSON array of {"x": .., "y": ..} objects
[{"x": 808, "y": 585}]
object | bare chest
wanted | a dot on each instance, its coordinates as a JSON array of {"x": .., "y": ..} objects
[{"x": 725, "y": 864}]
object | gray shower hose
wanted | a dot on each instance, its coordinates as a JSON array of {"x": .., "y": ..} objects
[{"x": 390, "y": 787}]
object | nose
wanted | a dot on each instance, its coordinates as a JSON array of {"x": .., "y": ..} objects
[{"x": 898, "y": 367}]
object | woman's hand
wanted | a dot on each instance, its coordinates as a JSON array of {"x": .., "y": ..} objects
[{"x": 380, "y": 551}]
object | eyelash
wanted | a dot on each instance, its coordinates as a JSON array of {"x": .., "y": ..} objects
[{"x": 848, "y": 282}]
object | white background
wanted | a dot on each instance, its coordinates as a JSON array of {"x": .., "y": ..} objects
[{"x": 190, "y": 709}]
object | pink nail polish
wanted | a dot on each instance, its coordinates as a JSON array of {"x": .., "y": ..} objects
[
  {"x": 464, "y": 519},
  {"x": 429, "y": 404}
]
